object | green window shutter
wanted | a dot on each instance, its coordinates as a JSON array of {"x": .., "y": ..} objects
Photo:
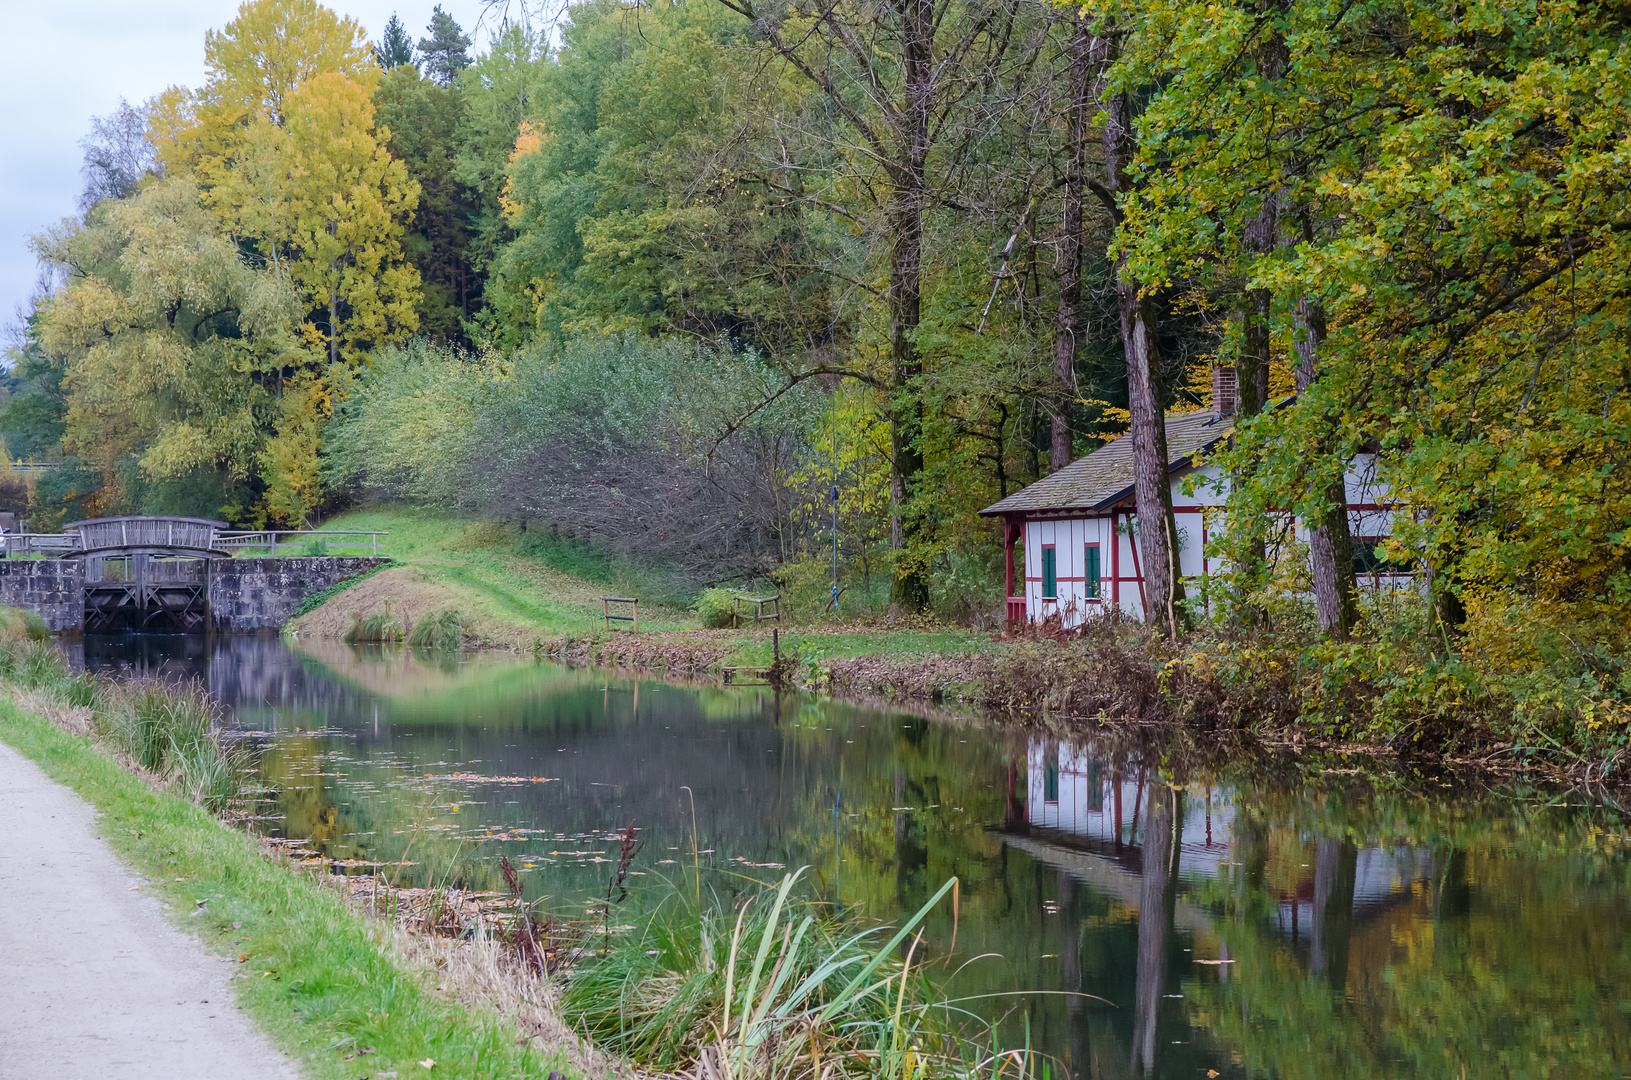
[
  {"x": 1050, "y": 576},
  {"x": 1091, "y": 566}
]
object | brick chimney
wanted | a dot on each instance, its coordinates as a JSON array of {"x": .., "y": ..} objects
[{"x": 1225, "y": 395}]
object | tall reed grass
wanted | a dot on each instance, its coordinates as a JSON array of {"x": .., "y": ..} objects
[
  {"x": 171, "y": 730},
  {"x": 444, "y": 629},
  {"x": 779, "y": 988},
  {"x": 175, "y": 731},
  {"x": 383, "y": 628}
]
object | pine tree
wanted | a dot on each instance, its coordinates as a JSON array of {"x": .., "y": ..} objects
[
  {"x": 395, "y": 48},
  {"x": 444, "y": 52}
]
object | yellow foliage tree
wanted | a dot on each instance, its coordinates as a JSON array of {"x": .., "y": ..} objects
[
  {"x": 255, "y": 64},
  {"x": 350, "y": 202},
  {"x": 289, "y": 465},
  {"x": 281, "y": 138}
]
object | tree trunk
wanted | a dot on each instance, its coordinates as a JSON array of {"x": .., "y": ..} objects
[
  {"x": 1330, "y": 541},
  {"x": 911, "y": 586},
  {"x": 1252, "y": 365},
  {"x": 333, "y": 327},
  {"x": 1152, "y": 485},
  {"x": 1070, "y": 242},
  {"x": 1248, "y": 532}
]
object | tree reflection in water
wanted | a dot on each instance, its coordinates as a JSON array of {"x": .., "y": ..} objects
[{"x": 1253, "y": 917}]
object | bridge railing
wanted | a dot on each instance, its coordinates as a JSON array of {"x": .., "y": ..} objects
[
  {"x": 272, "y": 539},
  {"x": 56, "y": 545},
  {"x": 44, "y": 545}
]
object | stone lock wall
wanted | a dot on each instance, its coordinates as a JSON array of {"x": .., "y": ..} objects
[
  {"x": 52, "y": 587},
  {"x": 261, "y": 594}
]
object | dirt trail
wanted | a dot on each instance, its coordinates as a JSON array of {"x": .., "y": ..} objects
[{"x": 94, "y": 981}]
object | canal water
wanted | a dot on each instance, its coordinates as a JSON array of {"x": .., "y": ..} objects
[{"x": 1138, "y": 910}]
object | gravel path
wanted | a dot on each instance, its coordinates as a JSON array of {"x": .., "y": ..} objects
[{"x": 95, "y": 982}]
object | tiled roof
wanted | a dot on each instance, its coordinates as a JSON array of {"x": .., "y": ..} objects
[{"x": 1103, "y": 478}]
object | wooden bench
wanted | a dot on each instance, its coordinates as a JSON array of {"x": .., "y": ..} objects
[
  {"x": 606, "y": 603},
  {"x": 759, "y": 603}
]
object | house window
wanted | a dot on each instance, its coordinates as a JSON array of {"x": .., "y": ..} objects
[
  {"x": 1368, "y": 558},
  {"x": 1050, "y": 574},
  {"x": 1090, "y": 568}
]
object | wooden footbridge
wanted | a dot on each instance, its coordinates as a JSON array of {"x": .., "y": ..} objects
[
  {"x": 155, "y": 573},
  {"x": 145, "y": 573}
]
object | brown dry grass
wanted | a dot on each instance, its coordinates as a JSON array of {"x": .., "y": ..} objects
[
  {"x": 74, "y": 719},
  {"x": 476, "y": 972},
  {"x": 479, "y": 974}
]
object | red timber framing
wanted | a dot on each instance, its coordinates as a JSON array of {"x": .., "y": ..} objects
[
  {"x": 1112, "y": 577},
  {"x": 1013, "y": 530}
]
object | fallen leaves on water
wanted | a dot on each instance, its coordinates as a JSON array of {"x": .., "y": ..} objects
[{"x": 478, "y": 778}]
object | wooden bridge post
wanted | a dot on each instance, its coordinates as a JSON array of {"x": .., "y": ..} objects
[{"x": 138, "y": 576}]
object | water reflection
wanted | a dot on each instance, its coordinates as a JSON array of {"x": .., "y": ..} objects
[{"x": 1234, "y": 918}]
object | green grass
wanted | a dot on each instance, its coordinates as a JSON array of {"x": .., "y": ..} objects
[
  {"x": 316, "y": 976},
  {"x": 776, "y": 986},
  {"x": 552, "y": 587}
]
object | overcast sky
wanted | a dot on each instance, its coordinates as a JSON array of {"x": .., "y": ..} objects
[{"x": 64, "y": 62}]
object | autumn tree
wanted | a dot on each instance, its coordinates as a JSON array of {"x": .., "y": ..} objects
[
  {"x": 171, "y": 341},
  {"x": 1452, "y": 279},
  {"x": 282, "y": 139}
]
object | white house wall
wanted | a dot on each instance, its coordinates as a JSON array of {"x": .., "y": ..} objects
[
  {"x": 1197, "y": 497},
  {"x": 1069, "y": 538}
]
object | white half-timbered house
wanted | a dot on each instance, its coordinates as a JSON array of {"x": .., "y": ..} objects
[{"x": 1071, "y": 537}]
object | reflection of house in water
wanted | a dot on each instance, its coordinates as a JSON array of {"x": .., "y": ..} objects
[{"x": 1090, "y": 819}]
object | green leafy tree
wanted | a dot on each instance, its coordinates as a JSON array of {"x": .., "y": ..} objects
[
  {"x": 171, "y": 343},
  {"x": 1465, "y": 202}
]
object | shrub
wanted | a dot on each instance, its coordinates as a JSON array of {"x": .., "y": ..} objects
[
  {"x": 314, "y": 549},
  {"x": 715, "y": 607}
]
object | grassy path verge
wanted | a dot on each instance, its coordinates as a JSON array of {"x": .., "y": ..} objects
[{"x": 318, "y": 977}]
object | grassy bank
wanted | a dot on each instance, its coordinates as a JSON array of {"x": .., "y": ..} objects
[
  {"x": 522, "y": 591},
  {"x": 1518, "y": 684},
  {"x": 321, "y": 979}
]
